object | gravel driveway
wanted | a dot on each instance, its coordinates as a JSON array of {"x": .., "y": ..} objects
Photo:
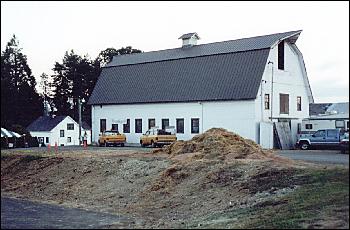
[{"x": 317, "y": 156}]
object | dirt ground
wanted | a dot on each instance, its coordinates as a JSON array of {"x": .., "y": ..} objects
[{"x": 179, "y": 186}]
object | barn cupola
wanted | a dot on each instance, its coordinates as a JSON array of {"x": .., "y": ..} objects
[{"x": 189, "y": 39}]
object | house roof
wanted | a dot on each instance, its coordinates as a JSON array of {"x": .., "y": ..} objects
[
  {"x": 230, "y": 70},
  {"x": 45, "y": 123}
]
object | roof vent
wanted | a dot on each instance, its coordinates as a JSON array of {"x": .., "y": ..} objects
[{"x": 189, "y": 39}]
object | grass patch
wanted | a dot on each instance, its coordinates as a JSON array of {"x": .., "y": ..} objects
[
  {"x": 323, "y": 195},
  {"x": 325, "y": 192}
]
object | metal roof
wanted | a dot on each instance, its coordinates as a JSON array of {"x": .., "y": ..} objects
[
  {"x": 230, "y": 70},
  {"x": 45, "y": 123},
  {"x": 245, "y": 44},
  {"x": 235, "y": 76}
]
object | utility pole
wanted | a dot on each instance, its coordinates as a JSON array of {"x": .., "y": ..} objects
[{"x": 79, "y": 107}]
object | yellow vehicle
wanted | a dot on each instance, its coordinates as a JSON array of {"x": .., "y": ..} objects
[
  {"x": 111, "y": 137},
  {"x": 157, "y": 137}
]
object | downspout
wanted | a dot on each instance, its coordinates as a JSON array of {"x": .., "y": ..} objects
[{"x": 270, "y": 62}]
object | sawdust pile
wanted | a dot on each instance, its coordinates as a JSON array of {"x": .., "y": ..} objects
[{"x": 217, "y": 143}]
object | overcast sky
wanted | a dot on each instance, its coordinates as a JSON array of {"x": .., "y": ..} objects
[{"x": 46, "y": 30}]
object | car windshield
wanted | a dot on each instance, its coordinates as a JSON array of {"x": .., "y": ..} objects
[{"x": 111, "y": 132}]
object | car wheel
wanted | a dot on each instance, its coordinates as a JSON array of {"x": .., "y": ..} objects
[
  {"x": 304, "y": 146},
  {"x": 153, "y": 144}
]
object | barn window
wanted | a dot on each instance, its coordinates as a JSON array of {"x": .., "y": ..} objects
[
  {"x": 180, "y": 125},
  {"x": 70, "y": 126},
  {"x": 61, "y": 133},
  {"x": 115, "y": 127},
  {"x": 151, "y": 123},
  {"x": 267, "y": 101},
  {"x": 102, "y": 125},
  {"x": 281, "y": 55},
  {"x": 138, "y": 125},
  {"x": 126, "y": 127},
  {"x": 194, "y": 125},
  {"x": 298, "y": 103},
  {"x": 284, "y": 103},
  {"x": 308, "y": 126},
  {"x": 165, "y": 123}
]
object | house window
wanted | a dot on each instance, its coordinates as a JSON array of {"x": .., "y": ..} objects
[
  {"x": 41, "y": 140},
  {"x": 298, "y": 103},
  {"x": 281, "y": 55},
  {"x": 47, "y": 140},
  {"x": 115, "y": 127},
  {"x": 308, "y": 126},
  {"x": 151, "y": 123},
  {"x": 102, "y": 125},
  {"x": 180, "y": 125},
  {"x": 69, "y": 139},
  {"x": 126, "y": 127},
  {"x": 138, "y": 125},
  {"x": 61, "y": 133},
  {"x": 165, "y": 123},
  {"x": 267, "y": 101},
  {"x": 70, "y": 126},
  {"x": 194, "y": 125},
  {"x": 284, "y": 103}
]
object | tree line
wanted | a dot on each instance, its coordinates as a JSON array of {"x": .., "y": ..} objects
[{"x": 74, "y": 78}]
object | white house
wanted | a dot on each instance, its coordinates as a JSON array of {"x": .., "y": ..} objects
[
  {"x": 62, "y": 130},
  {"x": 242, "y": 85}
]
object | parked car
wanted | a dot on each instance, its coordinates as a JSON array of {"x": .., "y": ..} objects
[
  {"x": 321, "y": 138},
  {"x": 157, "y": 137},
  {"x": 111, "y": 137},
  {"x": 344, "y": 144}
]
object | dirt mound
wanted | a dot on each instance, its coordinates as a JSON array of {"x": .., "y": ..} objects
[{"x": 217, "y": 143}]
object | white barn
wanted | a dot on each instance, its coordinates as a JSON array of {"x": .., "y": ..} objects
[
  {"x": 62, "y": 130},
  {"x": 196, "y": 87}
]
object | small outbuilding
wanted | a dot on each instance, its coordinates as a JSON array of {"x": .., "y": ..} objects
[{"x": 62, "y": 130}]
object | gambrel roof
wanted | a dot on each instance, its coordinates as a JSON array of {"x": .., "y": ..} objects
[{"x": 229, "y": 70}]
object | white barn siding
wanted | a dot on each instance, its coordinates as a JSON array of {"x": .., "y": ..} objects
[
  {"x": 290, "y": 81},
  {"x": 236, "y": 116}
]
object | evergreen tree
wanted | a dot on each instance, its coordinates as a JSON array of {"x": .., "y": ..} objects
[{"x": 20, "y": 103}]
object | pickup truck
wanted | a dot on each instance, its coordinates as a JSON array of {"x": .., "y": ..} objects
[
  {"x": 111, "y": 137},
  {"x": 321, "y": 138},
  {"x": 157, "y": 137}
]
